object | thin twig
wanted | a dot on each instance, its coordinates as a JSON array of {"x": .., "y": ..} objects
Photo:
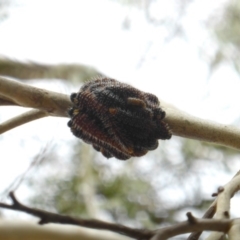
[
  {"x": 22, "y": 119},
  {"x": 192, "y": 224},
  {"x": 48, "y": 217},
  {"x": 208, "y": 214}
]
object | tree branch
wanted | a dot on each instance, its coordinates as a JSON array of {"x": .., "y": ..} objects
[
  {"x": 187, "y": 126},
  {"x": 223, "y": 202},
  {"x": 33, "y": 70},
  {"x": 25, "y": 230},
  {"x": 6, "y": 102},
  {"x": 234, "y": 231},
  {"x": 22, "y": 119},
  {"x": 48, "y": 217},
  {"x": 180, "y": 123},
  {"x": 56, "y": 104},
  {"x": 208, "y": 214},
  {"x": 191, "y": 225}
]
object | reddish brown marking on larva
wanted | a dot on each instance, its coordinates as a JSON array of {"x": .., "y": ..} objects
[
  {"x": 117, "y": 119},
  {"x": 113, "y": 111},
  {"x": 136, "y": 102}
]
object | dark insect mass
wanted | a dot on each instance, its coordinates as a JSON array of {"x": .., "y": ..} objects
[{"x": 117, "y": 119}]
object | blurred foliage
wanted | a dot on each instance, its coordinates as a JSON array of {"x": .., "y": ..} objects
[
  {"x": 90, "y": 188},
  {"x": 226, "y": 28},
  {"x": 143, "y": 192},
  {"x": 30, "y": 70}
]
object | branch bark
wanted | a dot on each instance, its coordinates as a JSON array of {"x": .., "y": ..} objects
[
  {"x": 56, "y": 104},
  {"x": 185, "y": 125},
  {"x": 33, "y": 70},
  {"x": 223, "y": 204},
  {"x": 25, "y": 230},
  {"x": 193, "y": 225},
  {"x": 22, "y": 119}
]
